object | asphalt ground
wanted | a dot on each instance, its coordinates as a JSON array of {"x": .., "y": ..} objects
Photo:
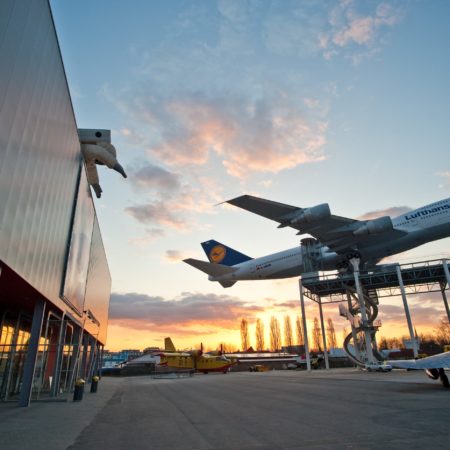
[{"x": 336, "y": 409}]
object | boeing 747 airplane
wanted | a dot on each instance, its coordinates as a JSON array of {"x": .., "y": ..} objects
[{"x": 338, "y": 239}]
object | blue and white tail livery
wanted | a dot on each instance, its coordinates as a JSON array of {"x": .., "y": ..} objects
[{"x": 221, "y": 254}]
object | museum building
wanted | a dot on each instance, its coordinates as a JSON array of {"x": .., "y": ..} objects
[{"x": 54, "y": 278}]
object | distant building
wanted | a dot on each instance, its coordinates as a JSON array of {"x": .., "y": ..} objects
[
  {"x": 271, "y": 360},
  {"x": 151, "y": 350},
  {"x": 114, "y": 359},
  {"x": 297, "y": 349},
  {"x": 54, "y": 278}
]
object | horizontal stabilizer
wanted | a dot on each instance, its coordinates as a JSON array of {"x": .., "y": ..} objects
[{"x": 212, "y": 269}]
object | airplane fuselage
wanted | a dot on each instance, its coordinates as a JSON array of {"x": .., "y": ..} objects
[
  {"x": 426, "y": 224},
  {"x": 203, "y": 363}
]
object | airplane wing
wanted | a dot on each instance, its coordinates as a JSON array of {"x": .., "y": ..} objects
[
  {"x": 441, "y": 361},
  {"x": 173, "y": 354},
  {"x": 335, "y": 232}
]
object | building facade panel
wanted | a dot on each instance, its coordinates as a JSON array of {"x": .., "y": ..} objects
[
  {"x": 75, "y": 277},
  {"x": 39, "y": 148},
  {"x": 98, "y": 288}
]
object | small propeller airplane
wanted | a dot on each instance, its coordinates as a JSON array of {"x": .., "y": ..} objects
[{"x": 193, "y": 359}]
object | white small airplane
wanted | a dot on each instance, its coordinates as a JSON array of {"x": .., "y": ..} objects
[
  {"x": 434, "y": 366},
  {"x": 338, "y": 240}
]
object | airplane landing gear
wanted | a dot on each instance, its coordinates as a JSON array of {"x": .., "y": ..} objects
[
  {"x": 353, "y": 255},
  {"x": 443, "y": 377}
]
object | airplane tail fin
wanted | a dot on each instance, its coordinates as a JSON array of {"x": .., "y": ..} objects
[
  {"x": 168, "y": 345},
  {"x": 218, "y": 253}
]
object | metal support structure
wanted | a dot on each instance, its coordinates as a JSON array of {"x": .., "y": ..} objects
[
  {"x": 60, "y": 351},
  {"x": 407, "y": 313},
  {"x": 74, "y": 364},
  {"x": 444, "y": 296},
  {"x": 33, "y": 348},
  {"x": 305, "y": 328},
  {"x": 101, "y": 349},
  {"x": 85, "y": 343},
  {"x": 354, "y": 334},
  {"x": 324, "y": 338},
  {"x": 362, "y": 306},
  {"x": 93, "y": 357},
  {"x": 445, "y": 300},
  {"x": 417, "y": 278},
  {"x": 13, "y": 355}
]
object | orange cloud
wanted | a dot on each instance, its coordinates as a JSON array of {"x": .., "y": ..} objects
[
  {"x": 266, "y": 135},
  {"x": 393, "y": 211},
  {"x": 191, "y": 309},
  {"x": 349, "y": 26},
  {"x": 173, "y": 200}
]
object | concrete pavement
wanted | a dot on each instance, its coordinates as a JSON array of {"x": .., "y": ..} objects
[{"x": 342, "y": 408}]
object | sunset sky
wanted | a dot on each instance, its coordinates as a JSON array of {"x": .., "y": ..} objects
[{"x": 302, "y": 102}]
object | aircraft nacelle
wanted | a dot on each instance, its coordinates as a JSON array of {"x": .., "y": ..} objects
[
  {"x": 312, "y": 214},
  {"x": 375, "y": 226}
]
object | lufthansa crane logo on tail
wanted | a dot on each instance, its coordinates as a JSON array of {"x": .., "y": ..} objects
[{"x": 217, "y": 254}]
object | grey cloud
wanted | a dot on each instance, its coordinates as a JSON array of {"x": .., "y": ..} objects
[
  {"x": 191, "y": 308},
  {"x": 155, "y": 213},
  {"x": 151, "y": 234},
  {"x": 446, "y": 176},
  {"x": 174, "y": 255},
  {"x": 151, "y": 176},
  {"x": 155, "y": 232},
  {"x": 421, "y": 314}
]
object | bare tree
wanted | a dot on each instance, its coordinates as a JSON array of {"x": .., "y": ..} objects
[
  {"x": 244, "y": 335},
  {"x": 227, "y": 347},
  {"x": 331, "y": 334},
  {"x": 382, "y": 343},
  {"x": 442, "y": 332},
  {"x": 394, "y": 342},
  {"x": 275, "y": 334},
  {"x": 288, "y": 341},
  {"x": 344, "y": 334},
  {"x": 259, "y": 335},
  {"x": 317, "y": 335},
  {"x": 299, "y": 329}
]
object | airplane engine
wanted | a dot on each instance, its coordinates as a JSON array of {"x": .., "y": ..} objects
[
  {"x": 376, "y": 226},
  {"x": 312, "y": 214}
]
